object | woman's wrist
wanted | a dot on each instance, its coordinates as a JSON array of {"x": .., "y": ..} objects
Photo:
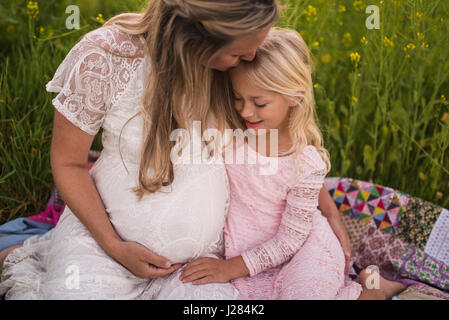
[
  {"x": 111, "y": 245},
  {"x": 237, "y": 268}
]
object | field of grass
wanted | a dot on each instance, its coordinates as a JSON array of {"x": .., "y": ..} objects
[{"x": 381, "y": 93}]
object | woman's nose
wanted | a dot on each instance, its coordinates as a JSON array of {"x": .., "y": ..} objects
[{"x": 249, "y": 57}]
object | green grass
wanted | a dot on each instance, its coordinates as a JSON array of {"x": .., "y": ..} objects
[{"x": 384, "y": 118}]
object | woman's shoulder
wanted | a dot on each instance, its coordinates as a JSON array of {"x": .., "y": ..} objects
[{"x": 116, "y": 42}]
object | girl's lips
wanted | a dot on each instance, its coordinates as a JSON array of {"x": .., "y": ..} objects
[{"x": 253, "y": 124}]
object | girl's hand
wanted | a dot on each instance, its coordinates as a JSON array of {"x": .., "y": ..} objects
[
  {"x": 212, "y": 270},
  {"x": 141, "y": 261}
]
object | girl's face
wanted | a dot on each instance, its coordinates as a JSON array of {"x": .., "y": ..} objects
[
  {"x": 243, "y": 48},
  {"x": 261, "y": 109}
]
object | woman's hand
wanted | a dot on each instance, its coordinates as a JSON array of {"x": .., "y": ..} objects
[
  {"x": 141, "y": 261},
  {"x": 212, "y": 270}
]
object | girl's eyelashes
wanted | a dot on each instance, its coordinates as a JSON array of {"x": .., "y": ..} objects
[{"x": 260, "y": 105}]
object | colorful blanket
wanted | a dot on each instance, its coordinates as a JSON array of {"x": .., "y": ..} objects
[{"x": 406, "y": 237}]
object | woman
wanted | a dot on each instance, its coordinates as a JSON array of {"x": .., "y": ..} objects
[{"x": 135, "y": 216}]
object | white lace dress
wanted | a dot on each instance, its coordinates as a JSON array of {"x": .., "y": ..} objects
[{"x": 100, "y": 84}]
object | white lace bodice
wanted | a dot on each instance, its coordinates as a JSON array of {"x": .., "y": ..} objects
[{"x": 99, "y": 88}]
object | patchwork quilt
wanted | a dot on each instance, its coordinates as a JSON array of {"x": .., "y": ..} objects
[{"x": 406, "y": 237}]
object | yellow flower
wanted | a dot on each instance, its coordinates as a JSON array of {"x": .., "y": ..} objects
[
  {"x": 388, "y": 42},
  {"x": 410, "y": 46},
  {"x": 420, "y": 35},
  {"x": 41, "y": 29},
  {"x": 424, "y": 45},
  {"x": 33, "y": 9},
  {"x": 355, "y": 58},
  {"x": 364, "y": 41},
  {"x": 99, "y": 18},
  {"x": 443, "y": 97},
  {"x": 347, "y": 39},
  {"x": 315, "y": 86},
  {"x": 422, "y": 176},
  {"x": 32, "y": 5},
  {"x": 419, "y": 15},
  {"x": 341, "y": 8},
  {"x": 358, "y": 5},
  {"x": 316, "y": 44},
  {"x": 326, "y": 58},
  {"x": 311, "y": 13},
  {"x": 355, "y": 100},
  {"x": 439, "y": 195}
]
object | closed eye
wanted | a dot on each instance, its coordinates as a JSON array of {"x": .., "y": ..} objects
[{"x": 260, "y": 105}]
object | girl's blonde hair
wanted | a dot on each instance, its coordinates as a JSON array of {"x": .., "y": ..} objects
[
  {"x": 284, "y": 65},
  {"x": 180, "y": 34}
]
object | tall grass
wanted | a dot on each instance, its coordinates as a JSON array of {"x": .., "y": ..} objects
[
  {"x": 382, "y": 93},
  {"x": 381, "y": 101}
]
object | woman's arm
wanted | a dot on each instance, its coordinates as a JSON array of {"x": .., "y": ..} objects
[
  {"x": 327, "y": 206},
  {"x": 68, "y": 155}
]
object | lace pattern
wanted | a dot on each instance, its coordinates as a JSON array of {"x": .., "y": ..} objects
[
  {"x": 296, "y": 223},
  {"x": 92, "y": 77}
]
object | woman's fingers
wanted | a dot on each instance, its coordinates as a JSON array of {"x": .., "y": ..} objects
[
  {"x": 155, "y": 259},
  {"x": 154, "y": 272}
]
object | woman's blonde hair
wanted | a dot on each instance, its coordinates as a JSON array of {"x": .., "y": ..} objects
[
  {"x": 284, "y": 65},
  {"x": 180, "y": 34}
]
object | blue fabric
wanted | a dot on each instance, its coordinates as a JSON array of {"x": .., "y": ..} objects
[{"x": 18, "y": 230}]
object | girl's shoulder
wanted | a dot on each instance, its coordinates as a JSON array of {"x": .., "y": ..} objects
[
  {"x": 116, "y": 42},
  {"x": 311, "y": 162}
]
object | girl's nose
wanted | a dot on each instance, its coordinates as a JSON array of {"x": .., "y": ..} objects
[{"x": 247, "y": 111}]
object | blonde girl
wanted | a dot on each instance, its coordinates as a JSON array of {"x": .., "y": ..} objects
[{"x": 278, "y": 244}]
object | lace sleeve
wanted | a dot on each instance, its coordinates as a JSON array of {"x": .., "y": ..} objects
[
  {"x": 296, "y": 223},
  {"x": 82, "y": 81}
]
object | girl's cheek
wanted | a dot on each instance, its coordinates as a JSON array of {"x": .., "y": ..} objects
[{"x": 238, "y": 106}]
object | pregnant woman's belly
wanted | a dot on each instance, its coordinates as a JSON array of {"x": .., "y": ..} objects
[{"x": 181, "y": 222}]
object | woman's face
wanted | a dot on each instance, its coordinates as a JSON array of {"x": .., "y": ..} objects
[{"x": 243, "y": 48}]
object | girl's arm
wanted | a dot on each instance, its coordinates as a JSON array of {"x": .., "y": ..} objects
[
  {"x": 296, "y": 223},
  {"x": 327, "y": 206}
]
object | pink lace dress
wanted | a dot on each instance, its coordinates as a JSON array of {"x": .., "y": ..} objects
[{"x": 274, "y": 224}]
